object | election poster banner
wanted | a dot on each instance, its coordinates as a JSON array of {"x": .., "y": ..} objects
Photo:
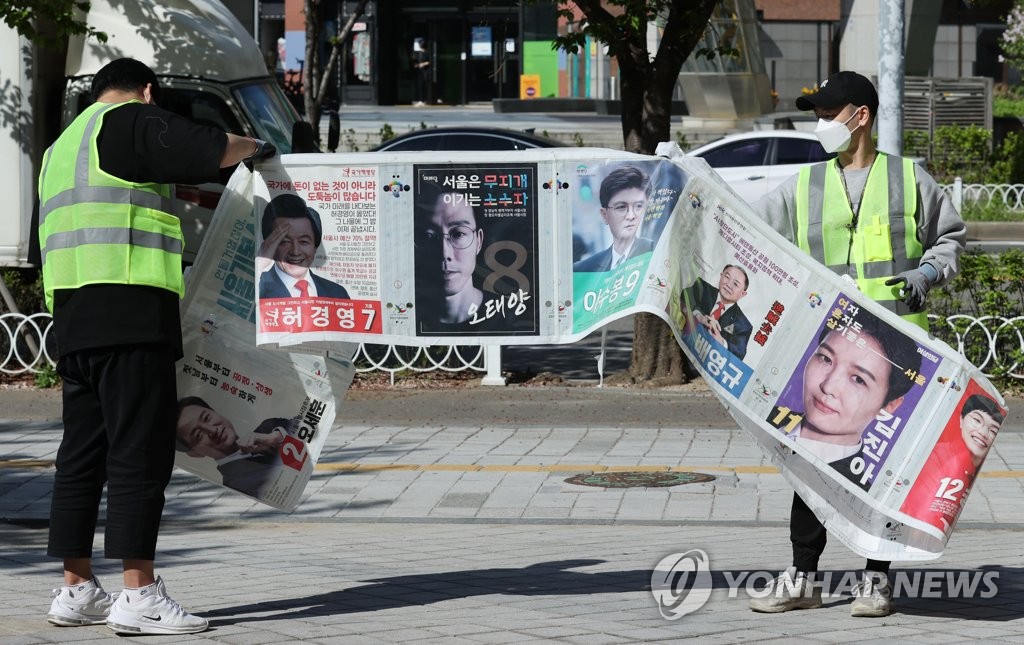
[
  {"x": 252, "y": 420},
  {"x": 880, "y": 428},
  {"x": 318, "y": 255},
  {"x": 619, "y": 211},
  {"x": 475, "y": 250},
  {"x": 940, "y": 489},
  {"x": 850, "y": 395}
]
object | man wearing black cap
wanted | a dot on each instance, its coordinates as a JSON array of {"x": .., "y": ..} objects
[
  {"x": 111, "y": 252},
  {"x": 292, "y": 233},
  {"x": 883, "y": 221}
]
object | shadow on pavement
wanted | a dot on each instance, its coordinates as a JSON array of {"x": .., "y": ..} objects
[{"x": 557, "y": 578}]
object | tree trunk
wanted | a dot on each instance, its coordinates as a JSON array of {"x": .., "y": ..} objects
[
  {"x": 647, "y": 89},
  {"x": 310, "y": 69},
  {"x": 339, "y": 42}
]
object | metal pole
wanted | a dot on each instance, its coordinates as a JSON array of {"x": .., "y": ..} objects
[
  {"x": 492, "y": 361},
  {"x": 890, "y": 76}
]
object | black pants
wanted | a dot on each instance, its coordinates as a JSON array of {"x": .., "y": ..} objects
[
  {"x": 808, "y": 536},
  {"x": 119, "y": 424}
]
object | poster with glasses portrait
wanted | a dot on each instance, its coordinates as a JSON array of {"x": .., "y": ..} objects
[
  {"x": 619, "y": 211},
  {"x": 475, "y": 250}
]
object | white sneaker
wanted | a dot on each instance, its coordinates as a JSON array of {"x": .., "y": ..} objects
[
  {"x": 84, "y": 604},
  {"x": 149, "y": 610},
  {"x": 791, "y": 590},
  {"x": 872, "y": 596}
]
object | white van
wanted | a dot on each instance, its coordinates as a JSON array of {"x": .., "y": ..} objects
[{"x": 210, "y": 71}]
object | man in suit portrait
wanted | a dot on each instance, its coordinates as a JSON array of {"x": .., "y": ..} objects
[
  {"x": 292, "y": 233},
  {"x": 247, "y": 466},
  {"x": 718, "y": 309},
  {"x": 623, "y": 197}
]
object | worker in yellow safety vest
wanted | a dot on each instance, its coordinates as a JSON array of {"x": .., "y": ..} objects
[
  {"x": 882, "y": 221},
  {"x": 111, "y": 253}
]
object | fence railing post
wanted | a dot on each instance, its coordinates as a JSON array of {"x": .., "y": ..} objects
[
  {"x": 492, "y": 361},
  {"x": 958, "y": 194}
]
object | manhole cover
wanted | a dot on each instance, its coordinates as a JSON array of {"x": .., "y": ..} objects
[{"x": 638, "y": 479}]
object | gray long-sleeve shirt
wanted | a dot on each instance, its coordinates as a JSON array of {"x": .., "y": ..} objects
[{"x": 940, "y": 229}]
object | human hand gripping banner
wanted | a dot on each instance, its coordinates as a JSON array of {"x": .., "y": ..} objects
[{"x": 547, "y": 246}]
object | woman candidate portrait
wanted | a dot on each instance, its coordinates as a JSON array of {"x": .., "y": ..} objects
[{"x": 849, "y": 380}]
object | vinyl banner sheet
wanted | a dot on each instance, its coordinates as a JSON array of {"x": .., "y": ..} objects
[
  {"x": 252, "y": 420},
  {"x": 880, "y": 428}
]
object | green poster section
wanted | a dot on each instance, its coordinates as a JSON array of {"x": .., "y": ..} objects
[
  {"x": 540, "y": 59},
  {"x": 601, "y": 294}
]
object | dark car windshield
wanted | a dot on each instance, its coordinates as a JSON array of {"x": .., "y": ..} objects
[{"x": 272, "y": 115}]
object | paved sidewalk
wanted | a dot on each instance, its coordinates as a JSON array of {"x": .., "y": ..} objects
[{"x": 417, "y": 529}]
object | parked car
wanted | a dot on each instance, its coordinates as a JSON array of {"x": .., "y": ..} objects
[
  {"x": 754, "y": 163},
  {"x": 466, "y": 138}
]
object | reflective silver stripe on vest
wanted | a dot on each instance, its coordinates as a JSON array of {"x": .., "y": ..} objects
[
  {"x": 106, "y": 195},
  {"x": 79, "y": 237},
  {"x": 816, "y": 206},
  {"x": 897, "y": 223},
  {"x": 82, "y": 163},
  {"x": 83, "y": 192}
]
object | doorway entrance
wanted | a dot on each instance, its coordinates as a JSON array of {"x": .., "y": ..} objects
[{"x": 471, "y": 58}]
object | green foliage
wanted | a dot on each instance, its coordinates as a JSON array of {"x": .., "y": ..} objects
[
  {"x": 915, "y": 143},
  {"x": 32, "y": 19},
  {"x": 681, "y": 140},
  {"x": 961, "y": 151},
  {"x": 1008, "y": 105},
  {"x": 386, "y": 133},
  {"x": 577, "y": 140},
  {"x": 966, "y": 152},
  {"x": 1011, "y": 41},
  {"x": 1007, "y": 165},
  {"x": 26, "y": 287},
  {"x": 47, "y": 377},
  {"x": 987, "y": 285},
  {"x": 993, "y": 211}
]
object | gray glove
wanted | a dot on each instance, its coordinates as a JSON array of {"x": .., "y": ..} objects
[{"x": 916, "y": 284}]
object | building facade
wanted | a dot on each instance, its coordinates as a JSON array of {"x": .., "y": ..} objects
[{"x": 478, "y": 50}]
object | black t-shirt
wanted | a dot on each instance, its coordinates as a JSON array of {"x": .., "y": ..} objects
[{"x": 141, "y": 143}]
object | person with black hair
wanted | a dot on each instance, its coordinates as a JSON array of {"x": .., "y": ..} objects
[
  {"x": 447, "y": 239},
  {"x": 877, "y": 218},
  {"x": 623, "y": 197},
  {"x": 941, "y": 488},
  {"x": 850, "y": 379},
  {"x": 292, "y": 233},
  {"x": 247, "y": 465},
  {"x": 111, "y": 252}
]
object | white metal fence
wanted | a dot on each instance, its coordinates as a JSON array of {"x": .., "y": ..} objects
[
  {"x": 1012, "y": 195},
  {"x": 987, "y": 341},
  {"x": 25, "y": 345}
]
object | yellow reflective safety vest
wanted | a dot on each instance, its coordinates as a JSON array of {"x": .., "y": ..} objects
[
  {"x": 95, "y": 228},
  {"x": 881, "y": 243}
]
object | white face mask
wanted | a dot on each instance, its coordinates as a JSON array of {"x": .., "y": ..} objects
[{"x": 834, "y": 136}]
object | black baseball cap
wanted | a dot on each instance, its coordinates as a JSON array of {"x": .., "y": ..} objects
[{"x": 838, "y": 90}]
